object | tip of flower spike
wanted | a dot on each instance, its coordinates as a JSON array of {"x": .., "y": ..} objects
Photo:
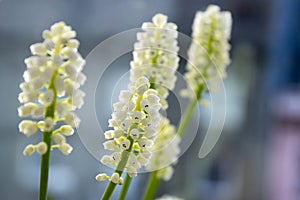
[
  {"x": 160, "y": 19},
  {"x": 213, "y": 8},
  {"x": 58, "y": 27}
]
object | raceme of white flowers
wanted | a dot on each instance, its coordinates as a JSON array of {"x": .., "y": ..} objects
[
  {"x": 155, "y": 56},
  {"x": 135, "y": 123},
  {"x": 208, "y": 55},
  {"x": 51, "y": 91},
  {"x": 165, "y": 150}
]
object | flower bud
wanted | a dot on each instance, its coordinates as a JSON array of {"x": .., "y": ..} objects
[
  {"x": 65, "y": 148},
  {"x": 29, "y": 149},
  {"x": 41, "y": 148}
]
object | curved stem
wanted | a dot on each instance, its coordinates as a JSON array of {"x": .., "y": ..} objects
[
  {"x": 152, "y": 186},
  {"x": 125, "y": 187},
  {"x": 124, "y": 158}
]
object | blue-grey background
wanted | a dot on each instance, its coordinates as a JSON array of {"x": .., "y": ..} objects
[{"x": 265, "y": 64}]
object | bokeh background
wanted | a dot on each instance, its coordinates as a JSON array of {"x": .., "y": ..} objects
[{"x": 258, "y": 154}]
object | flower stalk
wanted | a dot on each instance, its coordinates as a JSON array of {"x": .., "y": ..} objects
[
  {"x": 134, "y": 122},
  {"x": 47, "y": 138},
  {"x": 119, "y": 169},
  {"x": 50, "y": 92},
  {"x": 152, "y": 186},
  {"x": 155, "y": 56},
  {"x": 125, "y": 187}
]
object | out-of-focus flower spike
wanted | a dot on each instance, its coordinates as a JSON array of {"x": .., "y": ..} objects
[
  {"x": 208, "y": 55},
  {"x": 165, "y": 150}
]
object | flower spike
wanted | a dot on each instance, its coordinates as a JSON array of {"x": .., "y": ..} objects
[
  {"x": 165, "y": 150},
  {"x": 208, "y": 55},
  {"x": 51, "y": 88},
  {"x": 156, "y": 56},
  {"x": 134, "y": 121}
]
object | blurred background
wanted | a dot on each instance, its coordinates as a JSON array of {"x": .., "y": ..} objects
[{"x": 258, "y": 154}]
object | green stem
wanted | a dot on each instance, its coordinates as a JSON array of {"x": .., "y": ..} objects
[
  {"x": 124, "y": 158},
  {"x": 125, "y": 187},
  {"x": 189, "y": 111},
  {"x": 152, "y": 186},
  {"x": 45, "y": 162},
  {"x": 154, "y": 182},
  {"x": 186, "y": 118},
  {"x": 108, "y": 191},
  {"x": 47, "y": 138}
]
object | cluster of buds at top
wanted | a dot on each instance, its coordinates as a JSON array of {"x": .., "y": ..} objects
[
  {"x": 165, "y": 150},
  {"x": 135, "y": 123},
  {"x": 51, "y": 92},
  {"x": 155, "y": 56},
  {"x": 208, "y": 55}
]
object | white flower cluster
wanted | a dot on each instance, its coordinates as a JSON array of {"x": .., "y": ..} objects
[
  {"x": 155, "y": 56},
  {"x": 208, "y": 55},
  {"x": 135, "y": 123},
  {"x": 51, "y": 88},
  {"x": 165, "y": 150}
]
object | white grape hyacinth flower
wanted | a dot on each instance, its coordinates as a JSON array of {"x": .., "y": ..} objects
[
  {"x": 208, "y": 55},
  {"x": 156, "y": 56},
  {"x": 135, "y": 122},
  {"x": 50, "y": 92},
  {"x": 165, "y": 150}
]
